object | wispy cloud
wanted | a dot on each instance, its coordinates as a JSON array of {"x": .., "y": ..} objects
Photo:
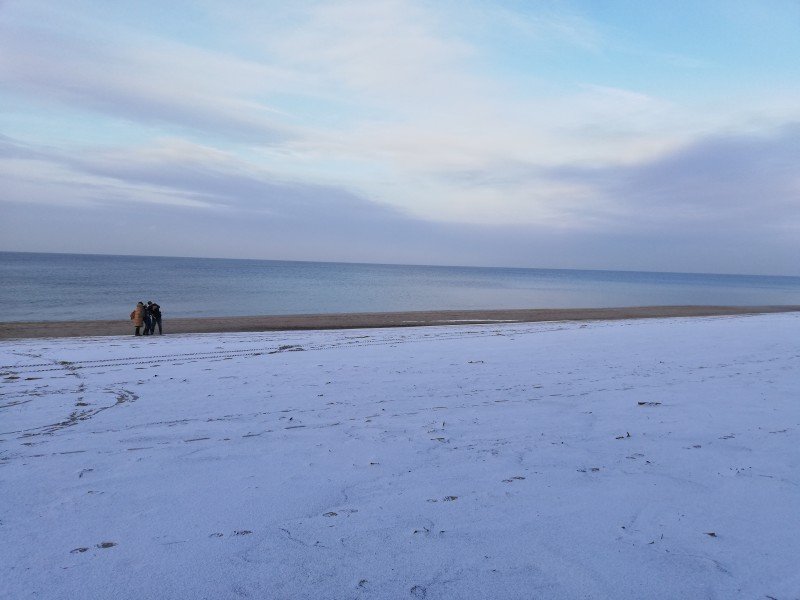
[
  {"x": 545, "y": 25},
  {"x": 154, "y": 82}
]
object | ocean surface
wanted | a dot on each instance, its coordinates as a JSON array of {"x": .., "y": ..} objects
[{"x": 60, "y": 287}]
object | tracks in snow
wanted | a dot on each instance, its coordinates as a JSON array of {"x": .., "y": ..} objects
[{"x": 43, "y": 367}]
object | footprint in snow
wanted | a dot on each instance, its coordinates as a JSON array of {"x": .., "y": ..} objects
[{"x": 341, "y": 510}]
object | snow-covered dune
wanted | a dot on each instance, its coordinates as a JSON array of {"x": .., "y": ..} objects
[{"x": 629, "y": 459}]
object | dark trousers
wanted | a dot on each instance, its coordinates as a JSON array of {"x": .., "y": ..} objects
[
  {"x": 148, "y": 325},
  {"x": 136, "y": 330},
  {"x": 153, "y": 322}
]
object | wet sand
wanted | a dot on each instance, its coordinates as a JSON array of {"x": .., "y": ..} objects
[{"x": 60, "y": 329}]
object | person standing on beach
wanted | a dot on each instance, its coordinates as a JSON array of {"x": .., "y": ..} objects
[
  {"x": 148, "y": 318},
  {"x": 137, "y": 316},
  {"x": 147, "y": 323},
  {"x": 155, "y": 317}
]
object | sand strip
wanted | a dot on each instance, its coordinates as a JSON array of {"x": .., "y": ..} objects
[{"x": 58, "y": 329}]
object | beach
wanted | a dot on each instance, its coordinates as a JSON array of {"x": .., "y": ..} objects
[
  {"x": 398, "y": 300},
  {"x": 623, "y": 458},
  {"x": 59, "y": 329}
]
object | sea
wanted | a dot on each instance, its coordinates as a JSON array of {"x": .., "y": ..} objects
[{"x": 61, "y": 287}]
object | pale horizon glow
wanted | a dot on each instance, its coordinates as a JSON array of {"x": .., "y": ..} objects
[{"x": 627, "y": 136}]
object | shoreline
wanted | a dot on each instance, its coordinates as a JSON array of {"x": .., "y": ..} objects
[{"x": 65, "y": 329}]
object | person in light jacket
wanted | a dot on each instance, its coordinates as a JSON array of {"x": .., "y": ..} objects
[{"x": 137, "y": 316}]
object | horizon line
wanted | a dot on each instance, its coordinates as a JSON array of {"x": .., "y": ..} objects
[{"x": 384, "y": 264}]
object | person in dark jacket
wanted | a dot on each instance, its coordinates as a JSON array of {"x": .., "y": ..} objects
[
  {"x": 155, "y": 317},
  {"x": 148, "y": 322}
]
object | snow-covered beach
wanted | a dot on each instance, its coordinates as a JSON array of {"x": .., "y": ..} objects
[{"x": 626, "y": 459}]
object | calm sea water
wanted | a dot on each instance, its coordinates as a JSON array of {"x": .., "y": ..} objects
[{"x": 53, "y": 287}]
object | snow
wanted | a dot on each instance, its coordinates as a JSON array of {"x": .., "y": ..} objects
[
  {"x": 548, "y": 460},
  {"x": 469, "y": 321}
]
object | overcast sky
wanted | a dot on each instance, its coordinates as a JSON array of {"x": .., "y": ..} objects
[{"x": 598, "y": 134}]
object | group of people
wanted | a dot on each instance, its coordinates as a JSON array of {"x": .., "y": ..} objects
[{"x": 147, "y": 316}]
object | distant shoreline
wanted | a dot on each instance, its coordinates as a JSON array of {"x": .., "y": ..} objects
[{"x": 62, "y": 329}]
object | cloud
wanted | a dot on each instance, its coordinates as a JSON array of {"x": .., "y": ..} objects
[
  {"x": 544, "y": 25},
  {"x": 730, "y": 181},
  {"x": 195, "y": 201},
  {"x": 176, "y": 173},
  {"x": 11, "y": 149},
  {"x": 392, "y": 50},
  {"x": 147, "y": 81}
]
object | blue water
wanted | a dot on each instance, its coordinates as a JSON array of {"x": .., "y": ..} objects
[{"x": 54, "y": 287}]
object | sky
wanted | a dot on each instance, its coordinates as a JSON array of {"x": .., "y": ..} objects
[{"x": 597, "y": 134}]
